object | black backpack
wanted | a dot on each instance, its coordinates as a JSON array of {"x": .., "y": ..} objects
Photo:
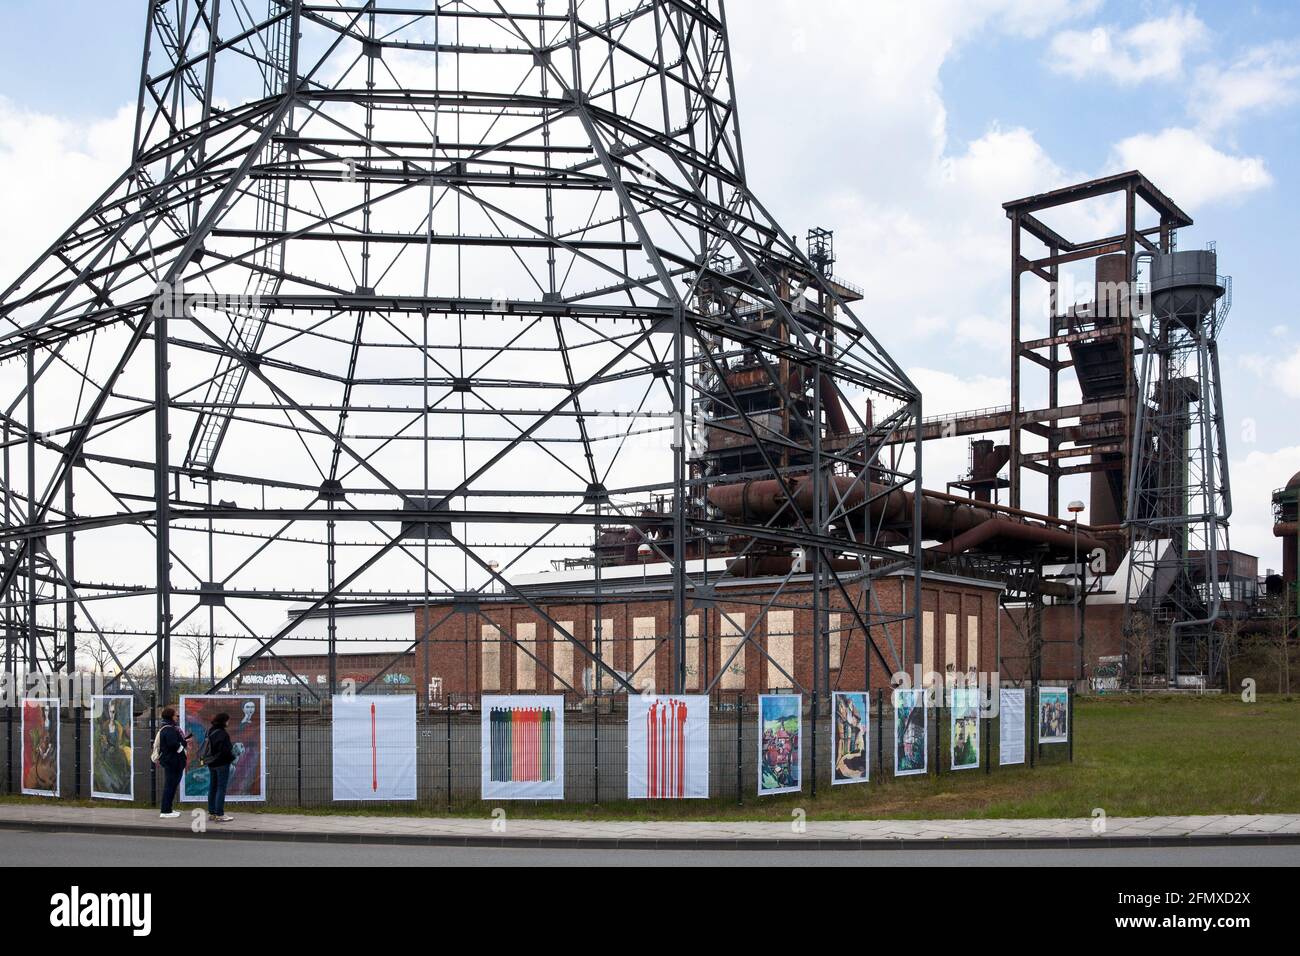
[{"x": 206, "y": 753}]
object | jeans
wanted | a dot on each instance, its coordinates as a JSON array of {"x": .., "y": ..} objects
[
  {"x": 218, "y": 777},
  {"x": 171, "y": 783}
]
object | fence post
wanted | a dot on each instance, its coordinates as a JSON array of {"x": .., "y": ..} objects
[
  {"x": 1032, "y": 718},
  {"x": 814, "y": 742},
  {"x": 595, "y": 742},
  {"x": 988, "y": 746},
  {"x": 938, "y": 734},
  {"x": 9, "y": 744},
  {"x": 740, "y": 748},
  {"x": 297, "y": 707},
  {"x": 880, "y": 735},
  {"x": 1069, "y": 721},
  {"x": 76, "y": 759},
  {"x": 153, "y": 732},
  {"x": 447, "y": 702}
]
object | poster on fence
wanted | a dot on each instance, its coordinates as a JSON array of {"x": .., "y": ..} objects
[
  {"x": 40, "y": 748},
  {"x": 667, "y": 747},
  {"x": 850, "y": 736},
  {"x": 965, "y": 728},
  {"x": 373, "y": 747},
  {"x": 780, "y": 733},
  {"x": 911, "y": 733},
  {"x": 1011, "y": 726},
  {"x": 1053, "y": 715},
  {"x": 112, "y": 746},
  {"x": 247, "y": 729},
  {"x": 522, "y": 748}
]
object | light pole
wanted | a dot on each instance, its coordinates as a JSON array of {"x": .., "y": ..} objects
[{"x": 1076, "y": 508}]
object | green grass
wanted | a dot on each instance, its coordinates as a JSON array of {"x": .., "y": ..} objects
[{"x": 1151, "y": 756}]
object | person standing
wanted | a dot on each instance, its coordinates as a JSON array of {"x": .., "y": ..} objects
[
  {"x": 219, "y": 754},
  {"x": 171, "y": 757}
]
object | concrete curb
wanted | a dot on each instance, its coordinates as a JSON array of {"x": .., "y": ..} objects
[{"x": 655, "y": 843}]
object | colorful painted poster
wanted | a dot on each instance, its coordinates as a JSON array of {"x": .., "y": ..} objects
[
  {"x": 964, "y": 737},
  {"x": 112, "y": 747},
  {"x": 780, "y": 733},
  {"x": 373, "y": 747},
  {"x": 667, "y": 747},
  {"x": 911, "y": 733},
  {"x": 247, "y": 729},
  {"x": 522, "y": 748},
  {"x": 850, "y": 736},
  {"x": 1053, "y": 715},
  {"x": 1011, "y": 726},
  {"x": 40, "y": 759}
]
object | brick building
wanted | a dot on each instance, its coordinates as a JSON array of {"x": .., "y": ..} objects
[{"x": 505, "y": 646}]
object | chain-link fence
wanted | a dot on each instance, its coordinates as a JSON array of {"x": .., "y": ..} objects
[{"x": 298, "y": 752}]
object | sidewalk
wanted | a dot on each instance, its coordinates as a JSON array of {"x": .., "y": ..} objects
[{"x": 846, "y": 835}]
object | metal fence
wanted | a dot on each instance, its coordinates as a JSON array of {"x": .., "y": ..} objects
[{"x": 299, "y": 771}]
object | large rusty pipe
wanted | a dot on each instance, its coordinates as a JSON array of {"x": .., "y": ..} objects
[{"x": 1004, "y": 528}]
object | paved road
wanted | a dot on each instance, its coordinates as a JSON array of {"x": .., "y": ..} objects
[{"x": 22, "y": 848}]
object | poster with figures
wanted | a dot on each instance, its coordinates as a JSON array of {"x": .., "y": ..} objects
[
  {"x": 780, "y": 733},
  {"x": 1053, "y": 715},
  {"x": 247, "y": 729},
  {"x": 112, "y": 746},
  {"x": 522, "y": 748},
  {"x": 1011, "y": 726},
  {"x": 850, "y": 737},
  {"x": 911, "y": 733},
  {"x": 373, "y": 747},
  {"x": 667, "y": 747},
  {"x": 40, "y": 747},
  {"x": 964, "y": 728}
]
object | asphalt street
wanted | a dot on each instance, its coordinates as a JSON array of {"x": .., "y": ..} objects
[{"x": 26, "y": 848}]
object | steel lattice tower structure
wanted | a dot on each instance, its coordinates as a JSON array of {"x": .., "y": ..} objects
[
  {"x": 393, "y": 298},
  {"x": 1180, "y": 497}
]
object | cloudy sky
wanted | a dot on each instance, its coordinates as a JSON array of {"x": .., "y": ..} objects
[{"x": 903, "y": 126}]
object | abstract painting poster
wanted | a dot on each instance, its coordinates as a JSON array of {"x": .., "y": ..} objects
[
  {"x": 40, "y": 746},
  {"x": 1011, "y": 726},
  {"x": 112, "y": 739},
  {"x": 780, "y": 732},
  {"x": 247, "y": 729},
  {"x": 523, "y": 748},
  {"x": 850, "y": 736},
  {"x": 911, "y": 733},
  {"x": 373, "y": 746},
  {"x": 667, "y": 747},
  {"x": 965, "y": 728},
  {"x": 1053, "y": 715}
]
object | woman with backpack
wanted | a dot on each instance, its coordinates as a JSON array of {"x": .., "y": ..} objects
[
  {"x": 169, "y": 753},
  {"x": 218, "y": 754}
]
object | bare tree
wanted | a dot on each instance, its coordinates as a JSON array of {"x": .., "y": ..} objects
[
  {"x": 102, "y": 650},
  {"x": 196, "y": 649}
]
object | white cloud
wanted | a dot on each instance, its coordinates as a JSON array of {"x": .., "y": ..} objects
[
  {"x": 1254, "y": 479},
  {"x": 1286, "y": 374},
  {"x": 51, "y": 169},
  {"x": 1264, "y": 78},
  {"x": 1187, "y": 166},
  {"x": 1152, "y": 50}
]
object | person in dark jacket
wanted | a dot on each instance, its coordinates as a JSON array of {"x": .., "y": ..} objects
[
  {"x": 223, "y": 755},
  {"x": 171, "y": 757}
]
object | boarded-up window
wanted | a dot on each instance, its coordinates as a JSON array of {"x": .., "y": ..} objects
[
  {"x": 927, "y": 647},
  {"x": 972, "y": 642},
  {"x": 693, "y": 652},
  {"x": 730, "y": 634},
  {"x": 780, "y": 648},
  {"x": 526, "y": 657},
  {"x": 605, "y": 650},
  {"x": 490, "y": 657},
  {"x": 949, "y": 643},
  {"x": 562, "y": 656},
  {"x": 643, "y": 654},
  {"x": 835, "y": 653}
]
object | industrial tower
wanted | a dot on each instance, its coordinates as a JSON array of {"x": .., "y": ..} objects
[{"x": 393, "y": 300}]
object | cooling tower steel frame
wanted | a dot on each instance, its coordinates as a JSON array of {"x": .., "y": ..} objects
[{"x": 394, "y": 299}]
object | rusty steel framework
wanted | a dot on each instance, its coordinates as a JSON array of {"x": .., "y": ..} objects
[{"x": 395, "y": 299}]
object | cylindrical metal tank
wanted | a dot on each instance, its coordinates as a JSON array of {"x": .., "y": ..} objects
[
  {"x": 1185, "y": 286},
  {"x": 1286, "y": 527},
  {"x": 1112, "y": 292}
]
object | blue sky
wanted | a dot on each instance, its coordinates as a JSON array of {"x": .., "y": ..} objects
[{"x": 903, "y": 126}]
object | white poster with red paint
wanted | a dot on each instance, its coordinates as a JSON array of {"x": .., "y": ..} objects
[
  {"x": 667, "y": 747},
  {"x": 374, "y": 747}
]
